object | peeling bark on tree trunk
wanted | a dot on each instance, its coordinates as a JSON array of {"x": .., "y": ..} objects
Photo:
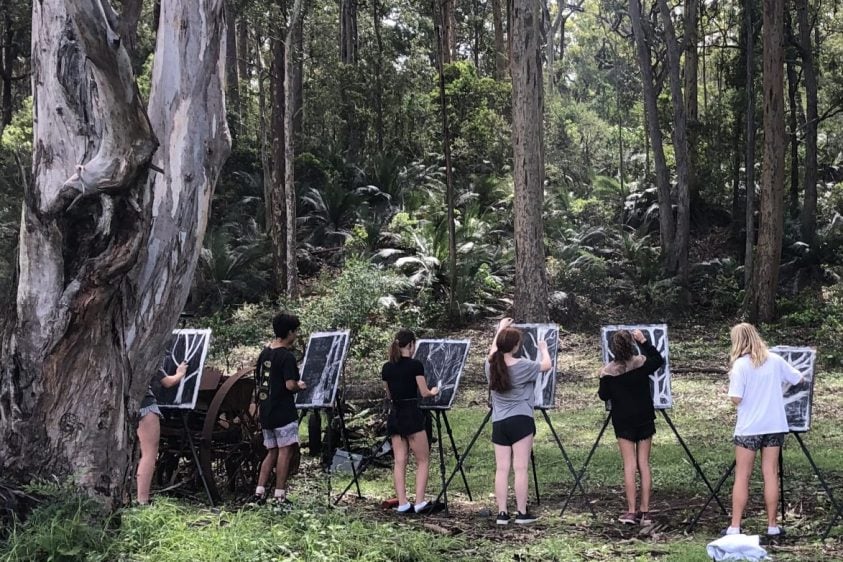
[
  {"x": 761, "y": 294},
  {"x": 106, "y": 256},
  {"x": 528, "y": 162},
  {"x": 809, "y": 204},
  {"x": 666, "y": 223}
]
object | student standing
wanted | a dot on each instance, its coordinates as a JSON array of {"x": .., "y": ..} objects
[
  {"x": 512, "y": 383},
  {"x": 626, "y": 382},
  {"x": 405, "y": 383},
  {"x": 277, "y": 378},
  {"x": 755, "y": 387}
]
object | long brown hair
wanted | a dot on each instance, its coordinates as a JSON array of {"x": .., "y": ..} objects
[
  {"x": 621, "y": 346},
  {"x": 747, "y": 341},
  {"x": 402, "y": 339},
  {"x": 507, "y": 340}
]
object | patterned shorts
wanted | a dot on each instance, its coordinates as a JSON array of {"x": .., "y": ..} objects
[
  {"x": 151, "y": 409},
  {"x": 281, "y": 436},
  {"x": 756, "y": 442}
]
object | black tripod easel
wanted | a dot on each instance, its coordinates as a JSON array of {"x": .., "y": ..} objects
[
  {"x": 826, "y": 488},
  {"x": 690, "y": 456}
]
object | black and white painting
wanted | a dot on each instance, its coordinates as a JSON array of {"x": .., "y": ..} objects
[
  {"x": 189, "y": 346},
  {"x": 321, "y": 369},
  {"x": 531, "y": 335},
  {"x": 798, "y": 398},
  {"x": 660, "y": 380},
  {"x": 444, "y": 362}
]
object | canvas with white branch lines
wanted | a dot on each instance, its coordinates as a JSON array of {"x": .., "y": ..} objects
[
  {"x": 656, "y": 334},
  {"x": 190, "y": 346},
  {"x": 531, "y": 334},
  {"x": 322, "y": 367},
  {"x": 444, "y": 362},
  {"x": 798, "y": 398}
]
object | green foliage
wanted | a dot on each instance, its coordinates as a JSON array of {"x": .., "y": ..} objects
[{"x": 820, "y": 317}]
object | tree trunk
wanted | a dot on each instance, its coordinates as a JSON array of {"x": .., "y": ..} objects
[
  {"x": 277, "y": 199},
  {"x": 679, "y": 261},
  {"x": 8, "y": 53},
  {"x": 691, "y": 41},
  {"x": 528, "y": 162},
  {"x": 449, "y": 30},
  {"x": 749, "y": 164},
  {"x": 107, "y": 253},
  {"x": 809, "y": 203},
  {"x": 231, "y": 69},
  {"x": 501, "y": 58},
  {"x": 666, "y": 224},
  {"x": 761, "y": 295},
  {"x": 550, "y": 50},
  {"x": 129, "y": 18},
  {"x": 348, "y": 58},
  {"x": 243, "y": 51},
  {"x": 291, "y": 39},
  {"x": 792, "y": 136},
  {"x": 298, "y": 81},
  {"x": 263, "y": 140},
  {"x": 376, "y": 24},
  {"x": 736, "y": 174}
]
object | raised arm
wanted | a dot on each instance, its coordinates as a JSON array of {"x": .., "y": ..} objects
[
  {"x": 174, "y": 379},
  {"x": 504, "y": 323},
  {"x": 545, "y": 364},
  {"x": 653, "y": 360}
]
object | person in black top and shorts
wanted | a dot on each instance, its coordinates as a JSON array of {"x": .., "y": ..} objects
[
  {"x": 405, "y": 383},
  {"x": 626, "y": 382},
  {"x": 277, "y": 379}
]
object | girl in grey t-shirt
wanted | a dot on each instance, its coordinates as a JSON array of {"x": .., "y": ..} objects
[{"x": 512, "y": 387}]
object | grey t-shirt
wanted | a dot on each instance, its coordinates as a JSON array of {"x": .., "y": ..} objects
[{"x": 520, "y": 399}]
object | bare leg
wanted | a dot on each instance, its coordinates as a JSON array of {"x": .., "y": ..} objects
[
  {"x": 421, "y": 451},
  {"x": 503, "y": 459},
  {"x": 399, "y": 468},
  {"x": 149, "y": 432},
  {"x": 282, "y": 467},
  {"x": 643, "y": 455},
  {"x": 744, "y": 461},
  {"x": 630, "y": 466},
  {"x": 520, "y": 466},
  {"x": 267, "y": 465},
  {"x": 770, "y": 471}
]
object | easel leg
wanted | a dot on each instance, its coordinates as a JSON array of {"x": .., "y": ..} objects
[
  {"x": 837, "y": 509},
  {"x": 347, "y": 443},
  {"x": 438, "y": 415},
  {"x": 693, "y": 460},
  {"x": 711, "y": 496},
  {"x": 364, "y": 464},
  {"x": 578, "y": 478},
  {"x": 564, "y": 454},
  {"x": 196, "y": 459},
  {"x": 464, "y": 455},
  {"x": 456, "y": 453},
  {"x": 535, "y": 477}
]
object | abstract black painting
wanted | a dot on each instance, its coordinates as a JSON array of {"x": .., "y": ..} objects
[
  {"x": 190, "y": 346},
  {"x": 531, "y": 335},
  {"x": 444, "y": 361},
  {"x": 321, "y": 369},
  {"x": 798, "y": 398},
  {"x": 660, "y": 380}
]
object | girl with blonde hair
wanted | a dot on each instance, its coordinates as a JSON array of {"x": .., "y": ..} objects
[{"x": 755, "y": 387}]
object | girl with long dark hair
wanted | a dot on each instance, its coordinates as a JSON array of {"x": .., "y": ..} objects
[
  {"x": 512, "y": 382},
  {"x": 405, "y": 384},
  {"x": 626, "y": 382}
]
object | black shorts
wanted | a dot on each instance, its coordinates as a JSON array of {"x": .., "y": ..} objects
[
  {"x": 756, "y": 442},
  {"x": 636, "y": 433},
  {"x": 509, "y": 431},
  {"x": 405, "y": 419}
]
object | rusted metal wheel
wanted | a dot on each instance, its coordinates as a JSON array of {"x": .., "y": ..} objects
[{"x": 230, "y": 445}]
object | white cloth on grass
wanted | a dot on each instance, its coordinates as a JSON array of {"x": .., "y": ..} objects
[
  {"x": 737, "y": 547},
  {"x": 761, "y": 410}
]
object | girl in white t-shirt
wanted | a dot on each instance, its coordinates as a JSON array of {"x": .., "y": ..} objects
[{"x": 755, "y": 387}]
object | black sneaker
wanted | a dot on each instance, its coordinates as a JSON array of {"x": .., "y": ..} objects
[
  {"x": 503, "y": 518},
  {"x": 776, "y": 536},
  {"x": 408, "y": 511},
  {"x": 525, "y": 518}
]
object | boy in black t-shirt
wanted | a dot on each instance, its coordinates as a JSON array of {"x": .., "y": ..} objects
[{"x": 277, "y": 378}]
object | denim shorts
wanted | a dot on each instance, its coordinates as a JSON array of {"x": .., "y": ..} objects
[
  {"x": 756, "y": 442},
  {"x": 283, "y": 436},
  {"x": 151, "y": 409}
]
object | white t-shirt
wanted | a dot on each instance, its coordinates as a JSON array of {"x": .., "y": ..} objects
[{"x": 761, "y": 410}]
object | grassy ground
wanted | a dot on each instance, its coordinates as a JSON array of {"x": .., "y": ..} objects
[{"x": 359, "y": 529}]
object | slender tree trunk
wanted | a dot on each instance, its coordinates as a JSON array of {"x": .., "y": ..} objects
[
  {"x": 809, "y": 204},
  {"x": 550, "y": 50},
  {"x": 680, "y": 147},
  {"x": 243, "y": 48},
  {"x": 107, "y": 252},
  {"x": 792, "y": 136},
  {"x": 278, "y": 197},
  {"x": 348, "y": 58},
  {"x": 691, "y": 103},
  {"x": 761, "y": 295},
  {"x": 376, "y": 24},
  {"x": 263, "y": 138},
  {"x": 231, "y": 69},
  {"x": 736, "y": 174},
  {"x": 291, "y": 40},
  {"x": 666, "y": 224},
  {"x": 298, "y": 80},
  {"x": 129, "y": 18},
  {"x": 749, "y": 164},
  {"x": 501, "y": 51},
  {"x": 449, "y": 31},
  {"x": 528, "y": 162},
  {"x": 8, "y": 53}
]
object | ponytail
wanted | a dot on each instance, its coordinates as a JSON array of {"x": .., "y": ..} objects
[
  {"x": 507, "y": 341},
  {"x": 402, "y": 339}
]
